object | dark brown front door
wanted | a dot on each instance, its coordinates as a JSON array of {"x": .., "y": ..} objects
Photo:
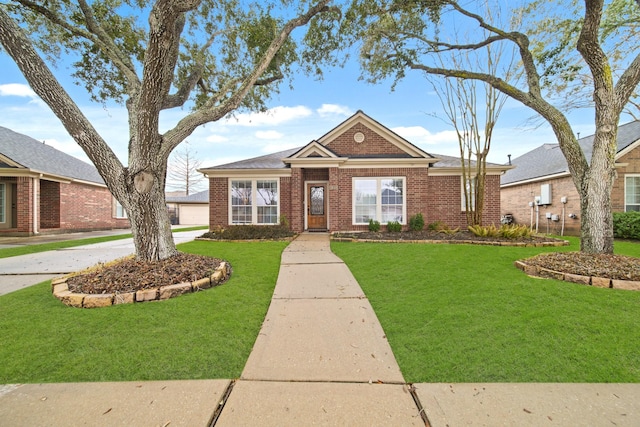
[{"x": 317, "y": 206}]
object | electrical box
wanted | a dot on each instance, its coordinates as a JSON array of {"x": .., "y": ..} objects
[
  {"x": 537, "y": 200},
  {"x": 548, "y": 215},
  {"x": 563, "y": 199},
  {"x": 555, "y": 217},
  {"x": 545, "y": 194}
]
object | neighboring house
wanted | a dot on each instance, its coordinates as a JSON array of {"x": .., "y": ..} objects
[
  {"x": 358, "y": 171},
  {"x": 189, "y": 210},
  {"x": 540, "y": 192},
  {"x": 43, "y": 190}
]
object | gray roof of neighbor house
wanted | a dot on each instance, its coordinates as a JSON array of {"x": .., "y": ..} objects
[
  {"x": 39, "y": 157},
  {"x": 200, "y": 197},
  {"x": 548, "y": 159}
]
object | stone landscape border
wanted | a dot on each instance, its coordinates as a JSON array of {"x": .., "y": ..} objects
[
  {"x": 60, "y": 290},
  {"x": 599, "y": 282}
]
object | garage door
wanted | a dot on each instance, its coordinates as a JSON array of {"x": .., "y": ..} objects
[{"x": 194, "y": 214}]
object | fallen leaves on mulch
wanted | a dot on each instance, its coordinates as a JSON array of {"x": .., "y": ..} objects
[
  {"x": 130, "y": 275},
  {"x": 616, "y": 267}
]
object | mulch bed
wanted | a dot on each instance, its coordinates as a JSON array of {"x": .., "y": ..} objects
[
  {"x": 130, "y": 275},
  {"x": 617, "y": 267}
]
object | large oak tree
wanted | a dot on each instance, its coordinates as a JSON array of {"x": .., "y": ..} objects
[
  {"x": 398, "y": 36},
  {"x": 209, "y": 57}
]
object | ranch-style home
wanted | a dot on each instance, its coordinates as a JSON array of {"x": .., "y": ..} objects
[
  {"x": 539, "y": 191},
  {"x": 358, "y": 171},
  {"x": 43, "y": 190}
]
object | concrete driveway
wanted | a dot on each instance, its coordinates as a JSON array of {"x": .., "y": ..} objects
[{"x": 27, "y": 270}]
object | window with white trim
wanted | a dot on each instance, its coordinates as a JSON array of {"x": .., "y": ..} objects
[
  {"x": 3, "y": 202},
  {"x": 469, "y": 185},
  {"x": 119, "y": 211},
  {"x": 379, "y": 199},
  {"x": 254, "y": 201},
  {"x": 631, "y": 193}
]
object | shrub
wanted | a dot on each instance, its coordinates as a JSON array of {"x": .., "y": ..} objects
[
  {"x": 513, "y": 231},
  {"x": 374, "y": 226},
  {"x": 250, "y": 232},
  {"x": 441, "y": 227},
  {"x": 416, "y": 222},
  {"x": 626, "y": 225},
  {"x": 394, "y": 226},
  {"x": 484, "y": 230}
]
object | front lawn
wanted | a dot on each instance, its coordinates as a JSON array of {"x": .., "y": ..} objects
[
  {"x": 464, "y": 313},
  {"x": 207, "y": 334}
]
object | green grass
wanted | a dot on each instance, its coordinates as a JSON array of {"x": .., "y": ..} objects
[
  {"x": 463, "y": 313},
  {"x": 43, "y": 247},
  {"x": 208, "y": 334}
]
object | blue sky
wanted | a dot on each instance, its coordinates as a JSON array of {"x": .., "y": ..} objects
[{"x": 295, "y": 117}]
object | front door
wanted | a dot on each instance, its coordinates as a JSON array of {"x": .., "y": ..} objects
[{"x": 317, "y": 207}]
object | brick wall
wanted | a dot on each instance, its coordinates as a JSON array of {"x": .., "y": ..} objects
[
  {"x": 49, "y": 204},
  {"x": 344, "y": 144},
  {"x": 445, "y": 199},
  {"x": 515, "y": 200},
  {"x": 632, "y": 166},
  {"x": 86, "y": 207},
  {"x": 218, "y": 202}
]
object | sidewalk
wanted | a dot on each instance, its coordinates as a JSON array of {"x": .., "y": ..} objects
[{"x": 321, "y": 358}]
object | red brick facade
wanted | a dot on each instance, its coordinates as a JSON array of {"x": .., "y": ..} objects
[
  {"x": 62, "y": 207},
  {"x": 377, "y": 153},
  {"x": 515, "y": 199}
]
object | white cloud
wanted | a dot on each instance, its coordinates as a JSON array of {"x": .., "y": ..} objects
[
  {"x": 280, "y": 146},
  {"x": 271, "y": 117},
  {"x": 17, "y": 89},
  {"x": 334, "y": 110},
  {"x": 268, "y": 134},
  {"x": 419, "y": 135},
  {"x": 216, "y": 139}
]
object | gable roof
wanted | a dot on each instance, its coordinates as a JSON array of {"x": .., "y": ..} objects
[
  {"x": 548, "y": 160},
  {"x": 317, "y": 154},
  {"x": 20, "y": 153}
]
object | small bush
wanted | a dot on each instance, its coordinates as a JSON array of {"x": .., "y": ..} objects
[
  {"x": 374, "y": 226},
  {"x": 416, "y": 222},
  {"x": 441, "y": 227},
  {"x": 484, "y": 230},
  {"x": 513, "y": 231},
  {"x": 250, "y": 232},
  {"x": 626, "y": 225},
  {"x": 394, "y": 227}
]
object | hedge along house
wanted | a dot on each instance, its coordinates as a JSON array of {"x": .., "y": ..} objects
[
  {"x": 539, "y": 191},
  {"x": 357, "y": 172},
  {"x": 43, "y": 190}
]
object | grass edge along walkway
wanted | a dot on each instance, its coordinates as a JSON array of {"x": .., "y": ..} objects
[
  {"x": 203, "y": 335},
  {"x": 63, "y": 244},
  {"x": 464, "y": 313}
]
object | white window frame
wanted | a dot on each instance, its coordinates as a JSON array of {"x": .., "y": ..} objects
[
  {"x": 463, "y": 183},
  {"x": 118, "y": 210},
  {"x": 3, "y": 202},
  {"x": 378, "y": 180},
  {"x": 631, "y": 175},
  {"x": 254, "y": 198}
]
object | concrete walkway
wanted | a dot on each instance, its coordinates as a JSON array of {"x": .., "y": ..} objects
[{"x": 321, "y": 358}]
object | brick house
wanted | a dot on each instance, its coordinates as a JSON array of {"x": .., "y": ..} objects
[
  {"x": 43, "y": 190},
  {"x": 540, "y": 192},
  {"x": 358, "y": 171}
]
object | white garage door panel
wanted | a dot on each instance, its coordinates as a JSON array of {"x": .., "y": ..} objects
[{"x": 194, "y": 215}]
